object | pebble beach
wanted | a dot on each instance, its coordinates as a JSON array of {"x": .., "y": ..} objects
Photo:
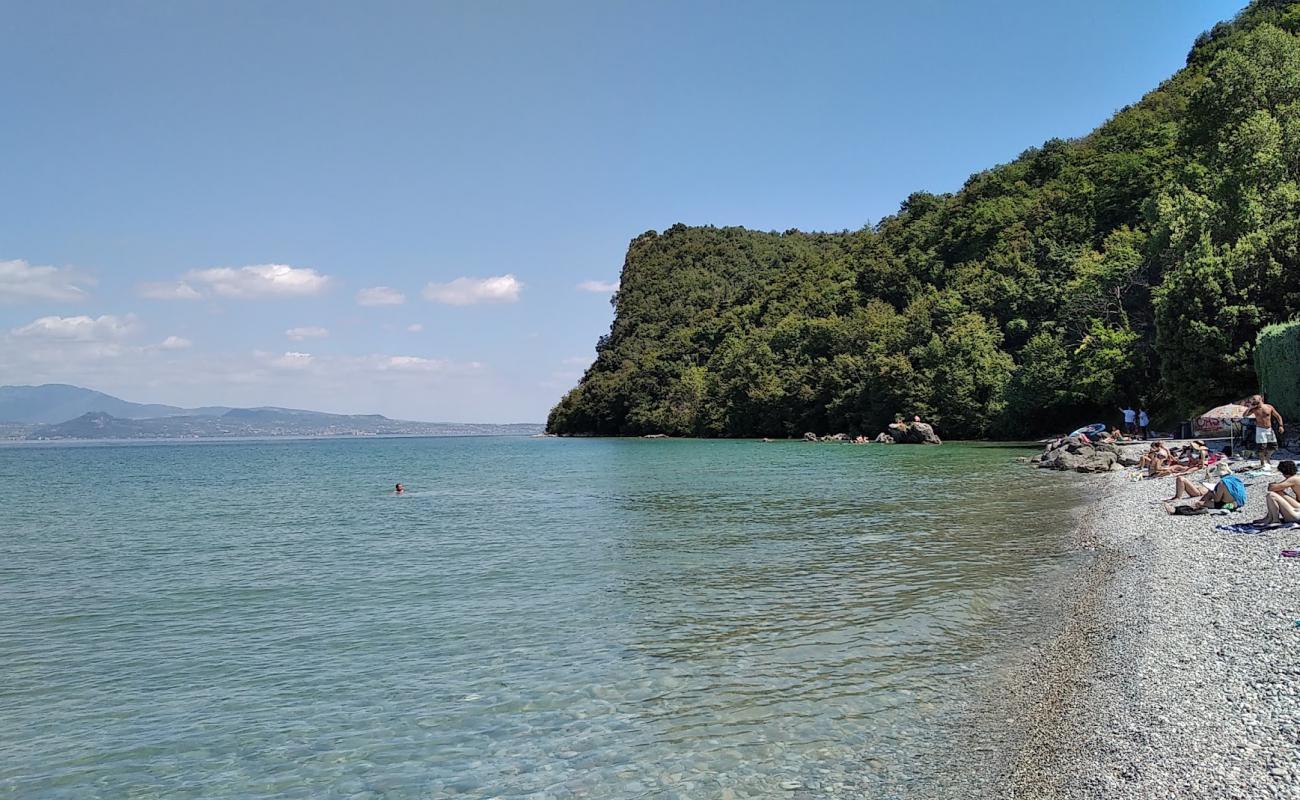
[{"x": 1174, "y": 670}]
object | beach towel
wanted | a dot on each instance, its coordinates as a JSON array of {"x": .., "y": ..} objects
[
  {"x": 1235, "y": 488},
  {"x": 1250, "y": 527},
  {"x": 1242, "y": 527}
]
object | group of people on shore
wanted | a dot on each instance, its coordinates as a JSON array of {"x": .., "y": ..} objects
[
  {"x": 1282, "y": 503},
  {"x": 1136, "y": 423},
  {"x": 1160, "y": 461}
]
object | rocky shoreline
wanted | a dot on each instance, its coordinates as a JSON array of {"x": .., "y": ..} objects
[{"x": 1174, "y": 669}]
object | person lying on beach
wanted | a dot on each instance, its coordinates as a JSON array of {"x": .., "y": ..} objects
[
  {"x": 1282, "y": 507},
  {"x": 1229, "y": 492}
]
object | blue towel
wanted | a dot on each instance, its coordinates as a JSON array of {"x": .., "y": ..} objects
[
  {"x": 1235, "y": 488},
  {"x": 1241, "y": 527}
]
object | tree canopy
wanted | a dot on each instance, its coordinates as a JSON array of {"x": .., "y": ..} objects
[{"x": 1136, "y": 264}]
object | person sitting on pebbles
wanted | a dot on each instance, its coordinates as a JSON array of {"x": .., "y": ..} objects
[
  {"x": 1283, "y": 507},
  {"x": 1156, "y": 460},
  {"x": 1229, "y": 492},
  {"x": 1193, "y": 454}
]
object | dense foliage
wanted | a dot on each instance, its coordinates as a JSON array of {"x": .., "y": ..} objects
[
  {"x": 1277, "y": 360},
  {"x": 1136, "y": 264}
]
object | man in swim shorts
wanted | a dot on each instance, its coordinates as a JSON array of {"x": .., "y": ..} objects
[{"x": 1265, "y": 435}]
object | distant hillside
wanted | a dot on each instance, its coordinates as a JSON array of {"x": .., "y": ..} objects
[
  {"x": 261, "y": 422},
  {"x": 1133, "y": 265},
  {"x": 57, "y": 402},
  {"x": 38, "y": 414}
]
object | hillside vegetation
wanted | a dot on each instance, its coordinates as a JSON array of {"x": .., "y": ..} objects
[{"x": 1138, "y": 262}]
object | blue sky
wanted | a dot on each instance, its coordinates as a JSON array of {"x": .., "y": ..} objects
[{"x": 196, "y": 195}]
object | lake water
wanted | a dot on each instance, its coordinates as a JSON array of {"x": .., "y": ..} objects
[{"x": 538, "y": 618}]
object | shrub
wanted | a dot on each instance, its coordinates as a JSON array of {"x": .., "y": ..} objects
[{"x": 1277, "y": 360}]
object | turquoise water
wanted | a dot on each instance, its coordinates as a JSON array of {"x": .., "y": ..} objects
[{"x": 540, "y": 618}]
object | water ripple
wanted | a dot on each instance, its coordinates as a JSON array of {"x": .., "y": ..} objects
[{"x": 539, "y": 618}]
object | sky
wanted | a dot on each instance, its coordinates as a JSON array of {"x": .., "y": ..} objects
[{"x": 421, "y": 209}]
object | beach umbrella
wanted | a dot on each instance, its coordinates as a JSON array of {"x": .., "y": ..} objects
[{"x": 1220, "y": 418}]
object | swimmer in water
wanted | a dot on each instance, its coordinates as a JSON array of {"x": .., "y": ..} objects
[{"x": 400, "y": 489}]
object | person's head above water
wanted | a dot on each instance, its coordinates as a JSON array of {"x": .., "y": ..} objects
[{"x": 400, "y": 488}]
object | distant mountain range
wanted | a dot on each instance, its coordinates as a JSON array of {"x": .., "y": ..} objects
[
  {"x": 58, "y": 402},
  {"x": 60, "y": 411}
]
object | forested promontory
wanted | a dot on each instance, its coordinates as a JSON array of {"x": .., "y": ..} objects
[{"x": 1137, "y": 263}]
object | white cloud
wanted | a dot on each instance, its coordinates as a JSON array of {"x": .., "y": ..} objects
[
  {"x": 415, "y": 363},
  {"x": 307, "y": 332},
  {"x": 174, "y": 290},
  {"x": 175, "y": 343},
  {"x": 380, "y": 296},
  {"x": 21, "y": 282},
  {"x": 106, "y": 328},
  {"x": 469, "y": 291},
  {"x": 599, "y": 287},
  {"x": 415, "y": 327},
  {"x": 260, "y": 281},
  {"x": 293, "y": 360}
]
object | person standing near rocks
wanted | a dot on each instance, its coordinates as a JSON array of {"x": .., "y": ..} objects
[
  {"x": 1265, "y": 435},
  {"x": 1144, "y": 423},
  {"x": 1130, "y": 420}
]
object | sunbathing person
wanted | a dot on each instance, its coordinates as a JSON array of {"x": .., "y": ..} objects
[
  {"x": 1159, "y": 461},
  {"x": 1283, "y": 507},
  {"x": 1187, "y": 487},
  {"x": 1229, "y": 492},
  {"x": 1193, "y": 454}
]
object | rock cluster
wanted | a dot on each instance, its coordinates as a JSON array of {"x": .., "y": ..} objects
[
  {"x": 913, "y": 433},
  {"x": 1077, "y": 454}
]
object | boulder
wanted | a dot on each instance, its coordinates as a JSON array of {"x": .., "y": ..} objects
[
  {"x": 810, "y": 437},
  {"x": 913, "y": 433},
  {"x": 838, "y": 437},
  {"x": 1129, "y": 454},
  {"x": 884, "y": 438},
  {"x": 1075, "y": 456}
]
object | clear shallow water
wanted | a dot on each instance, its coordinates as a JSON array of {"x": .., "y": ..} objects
[{"x": 538, "y": 618}]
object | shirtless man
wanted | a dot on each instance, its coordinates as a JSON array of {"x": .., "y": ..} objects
[
  {"x": 1283, "y": 507},
  {"x": 1265, "y": 438}
]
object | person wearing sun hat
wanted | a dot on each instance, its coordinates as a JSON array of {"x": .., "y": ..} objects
[{"x": 1229, "y": 492}]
